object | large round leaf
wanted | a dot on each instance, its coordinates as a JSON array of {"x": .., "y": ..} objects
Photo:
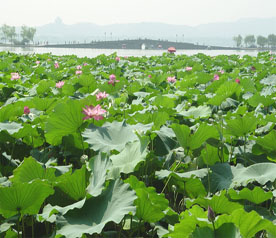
[
  {"x": 111, "y": 136},
  {"x": 30, "y": 169},
  {"x": 133, "y": 153},
  {"x": 113, "y": 205},
  {"x": 65, "y": 120},
  {"x": 24, "y": 198}
]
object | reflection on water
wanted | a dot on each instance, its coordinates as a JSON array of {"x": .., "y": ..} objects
[{"x": 121, "y": 52}]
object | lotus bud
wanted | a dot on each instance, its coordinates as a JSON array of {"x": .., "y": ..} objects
[
  {"x": 211, "y": 214},
  {"x": 83, "y": 158}
]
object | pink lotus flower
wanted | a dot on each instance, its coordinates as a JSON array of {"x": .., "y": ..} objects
[
  {"x": 15, "y": 76},
  {"x": 112, "y": 80},
  {"x": 78, "y": 67},
  {"x": 117, "y": 58},
  {"x": 216, "y": 77},
  {"x": 60, "y": 84},
  {"x": 37, "y": 62},
  {"x": 56, "y": 65},
  {"x": 26, "y": 110},
  {"x": 125, "y": 57},
  {"x": 221, "y": 71},
  {"x": 171, "y": 79},
  {"x": 150, "y": 76},
  {"x": 188, "y": 68},
  {"x": 78, "y": 72},
  {"x": 101, "y": 95},
  {"x": 271, "y": 58},
  {"x": 93, "y": 112},
  {"x": 84, "y": 64},
  {"x": 238, "y": 81}
]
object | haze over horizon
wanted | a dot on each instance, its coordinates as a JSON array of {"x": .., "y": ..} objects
[{"x": 105, "y": 12}]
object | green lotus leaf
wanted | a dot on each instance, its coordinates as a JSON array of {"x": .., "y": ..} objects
[
  {"x": 197, "y": 112},
  {"x": 112, "y": 205},
  {"x": 65, "y": 120},
  {"x": 241, "y": 126},
  {"x": 257, "y": 195},
  {"x": 270, "y": 80},
  {"x": 219, "y": 203},
  {"x": 261, "y": 173},
  {"x": 200, "y": 173},
  {"x": 111, "y": 136},
  {"x": 248, "y": 223},
  {"x": 10, "y": 127},
  {"x": 210, "y": 155},
  {"x": 74, "y": 184},
  {"x": 268, "y": 141},
  {"x": 188, "y": 223},
  {"x": 224, "y": 91},
  {"x": 50, "y": 212},
  {"x": 23, "y": 198},
  {"x": 182, "y": 133},
  {"x": 30, "y": 170},
  {"x": 256, "y": 99},
  {"x": 133, "y": 153},
  {"x": 150, "y": 206},
  {"x": 99, "y": 166},
  {"x": 221, "y": 177},
  {"x": 188, "y": 141}
]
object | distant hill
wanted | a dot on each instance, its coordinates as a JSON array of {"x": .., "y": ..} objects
[{"x": 220, "y": 33}]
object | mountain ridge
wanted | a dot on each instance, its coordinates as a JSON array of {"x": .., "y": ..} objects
[{"x": 218, "y": 33}]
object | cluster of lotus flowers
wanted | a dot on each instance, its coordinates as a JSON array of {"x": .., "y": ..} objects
[{"x": 97, "y": 112}]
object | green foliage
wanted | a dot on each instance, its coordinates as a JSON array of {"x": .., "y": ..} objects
[{"x": 161, "y": 156}]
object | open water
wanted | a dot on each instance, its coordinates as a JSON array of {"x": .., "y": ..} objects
[{"x": 120, "y": 52}]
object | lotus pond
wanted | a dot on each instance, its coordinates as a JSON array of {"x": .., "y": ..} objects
[{"x": 162, "y": 146}]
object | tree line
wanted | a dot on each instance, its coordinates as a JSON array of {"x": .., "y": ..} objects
[
  {"x": 8, "y": 34},
  {"x": 251, "y": 41}
]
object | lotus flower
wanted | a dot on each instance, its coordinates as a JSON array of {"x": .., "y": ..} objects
[
  {"x": 15, "y": 76},
  {"x": 56, "y": 65},
  {"x": 221, "y": 71},
  {"x": 26, "y": 110},
  {"x": 238, "y": 81},
  {"x": 60, "y": 84},
  {"x": 78, "y": 72},
  {"x": 188, "y": 68},
  {"x": 93, "y": 112},
  {"x": 150, "y": 76},
  {"x": 117, "y": 58},
  {"x": 112, "y": 80},
  {"x": 101, "y": 95},
  {"x": 271, "y": 58},
  {"x": 79, "y": 67},
  {"x": 84, "y": 64},
  {"x": 171, "y": 79},
  {"x": 37, "y": 62},
  {"x": 216, "y": 77}
]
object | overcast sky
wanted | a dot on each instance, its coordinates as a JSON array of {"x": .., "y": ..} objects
[{"x": 102, "y": 12}]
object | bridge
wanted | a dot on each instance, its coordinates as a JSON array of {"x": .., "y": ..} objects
[{"x": 137, "y": 44}]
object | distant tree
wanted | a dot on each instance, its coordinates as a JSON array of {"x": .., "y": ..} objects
[
  {"x": 249, "y": 40},
  {"x": 271, "y": 40},
  {"x": 8, "y": 33},
  {"x": 261, "y": 41},
  {"x": 27, "y": 34},
  {"x": 238, "y": 40}
]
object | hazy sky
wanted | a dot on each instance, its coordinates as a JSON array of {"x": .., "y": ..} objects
[{"x": 184, "y": 12}]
